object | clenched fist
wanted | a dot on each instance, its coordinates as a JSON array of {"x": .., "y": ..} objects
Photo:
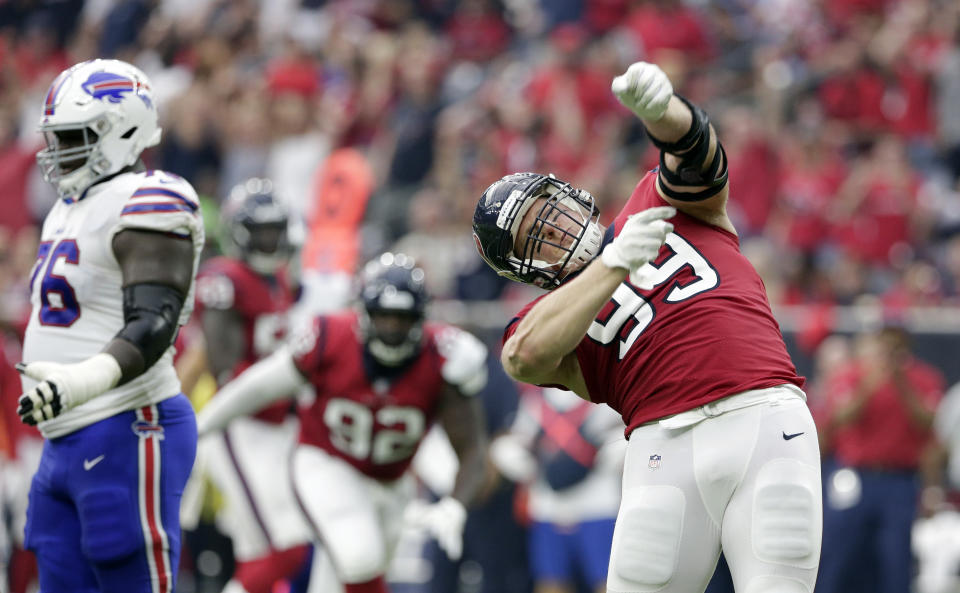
[{"x": 644, "y": 89}]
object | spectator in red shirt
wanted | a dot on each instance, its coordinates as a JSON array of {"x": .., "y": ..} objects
[
  {"x": 877, "y": 210},
  {"x": 812, "y": 173},
  {"x": 843, "y": 12},
  {"x": 670, "y": 26},
  {"x": 17, "y": 159},
  {"x": 755, "y": 169},
  {"x": 919, "y": 284},
  {"x": 879, "y": 420},
  {"x": 603, "y": 15},
  {"x": 477, "y": 31},
  {"x": 854, "y": 95},
  {"x": 570, "y": 94},
  {"x": 37, "y": 57}
]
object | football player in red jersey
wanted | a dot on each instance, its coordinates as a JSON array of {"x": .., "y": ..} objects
[
  {"x": 242, "y": 301},
  {"x": 669, "y": 324},
  {"x": 382, "y": 375}
]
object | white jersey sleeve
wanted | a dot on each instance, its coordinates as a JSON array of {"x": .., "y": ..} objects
[
  {"x": 165, "y": 203},
  {"x": 76, "y": 286}
]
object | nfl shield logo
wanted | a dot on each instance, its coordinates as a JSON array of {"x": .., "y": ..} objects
[{"x": 654, "y": 462}]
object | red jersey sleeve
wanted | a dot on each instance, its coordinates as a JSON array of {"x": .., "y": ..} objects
[
  {"x": 512, "y": 325},
  {"x": 308, "y": 345},
  {"x": 220, "y": 285}
]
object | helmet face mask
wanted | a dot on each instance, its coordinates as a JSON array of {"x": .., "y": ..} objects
[
  {"x": 392, "y": 338},
  {"x": 68, "y": 148},
  {"x": 393, "y": 301},
  {"x": 563, "y": 228},
  {"x": 268, "y": 238},
  {"x": 256, "y": 225},
  {"x": 98, "y": 118}
]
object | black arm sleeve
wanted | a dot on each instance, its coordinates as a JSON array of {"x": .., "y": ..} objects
[
  {"x": 150, "y": 315},
  {"x": 692, "y": 149}
]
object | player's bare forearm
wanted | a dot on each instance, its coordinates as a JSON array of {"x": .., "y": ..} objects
[
  {"x": 673, "y": 125},
  {"x": 933, "y": 463},
  {"x": 554, "y": 326},
  {"x": 192, "y": 364},
  {"x": 462, "y": 419},
  {"x": 131, "y": 361},
  {"x": 226, "y": 341},
  {"x": 271, "y": 379}
]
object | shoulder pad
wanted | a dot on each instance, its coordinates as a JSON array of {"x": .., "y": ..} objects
[
  {"x": 215, "y": 289},
  {"x": 163, "y": 202}
]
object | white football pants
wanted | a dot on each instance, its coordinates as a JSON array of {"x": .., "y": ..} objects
[
  {"x": 358, "y": 519},
  {"x": 742, "y": 473},
  {"x": 248, "y": 463}
]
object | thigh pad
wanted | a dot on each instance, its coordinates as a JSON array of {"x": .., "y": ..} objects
[
  {"x": 109, "y": 524},
  {"x": 787, "y": 514},
  {"x": 647, "y": 542}
]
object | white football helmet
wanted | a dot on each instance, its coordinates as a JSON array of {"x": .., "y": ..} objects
[{"x": 98, "y": 116}]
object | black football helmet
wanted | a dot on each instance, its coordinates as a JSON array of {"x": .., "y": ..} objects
[
  {"x": 393, "y": 284},
  {"x": 255, "y": 224},
  {"x": 503, "y": 206}
]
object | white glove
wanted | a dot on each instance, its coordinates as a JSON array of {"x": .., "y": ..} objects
[
  {"x": 512, "y": 459},
  {"x": 465, "y": 364},
  {"x": 644, "y": 89},
  {"x": 444, "y": 520},
  {"x": 65, "y": 386},
  {"x": 639, "y": 240}
]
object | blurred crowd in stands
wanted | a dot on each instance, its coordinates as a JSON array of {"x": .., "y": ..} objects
[{"x": 381, "y": 121}]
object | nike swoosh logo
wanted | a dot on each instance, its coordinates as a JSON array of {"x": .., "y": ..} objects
[
  {"x": 89, "y": 463},
  {"x": 787, "y": 437}
]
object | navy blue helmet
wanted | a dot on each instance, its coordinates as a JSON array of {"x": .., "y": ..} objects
[
  {"x": 566, "y": 220},
  {"x": 255, "y": 223},
  {"x": 392, "y": 286}
]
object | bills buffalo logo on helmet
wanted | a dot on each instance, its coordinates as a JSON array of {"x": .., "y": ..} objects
[{"x": 109, "y": 86}]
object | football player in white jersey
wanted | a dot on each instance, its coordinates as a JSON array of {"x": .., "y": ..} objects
[{"x": 113, "y": 282}]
